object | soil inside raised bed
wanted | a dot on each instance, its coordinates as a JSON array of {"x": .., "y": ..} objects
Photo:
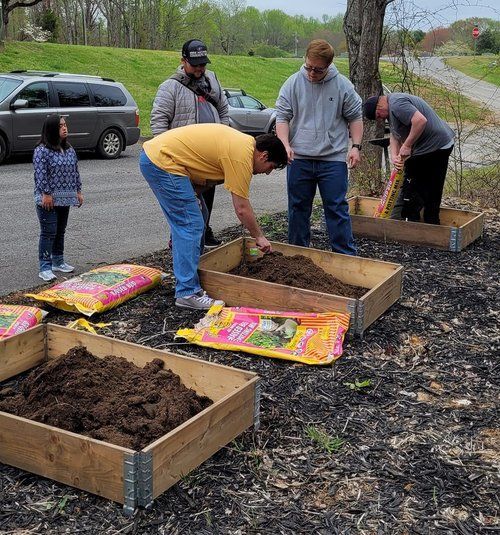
[
  {"x": 108, "y": 398},
  {"x": 298, "y": 271}
]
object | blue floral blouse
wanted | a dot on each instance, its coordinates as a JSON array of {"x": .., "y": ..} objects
[{"x": 56, "y": 174}]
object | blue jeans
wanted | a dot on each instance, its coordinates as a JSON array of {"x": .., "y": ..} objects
[
  {"x": 52, "y": 228},
  {"x": 185, "y": 213},
  {"x": 331, "y": 177}
]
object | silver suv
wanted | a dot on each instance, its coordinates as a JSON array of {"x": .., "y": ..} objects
[{"x": 101, "y": 114}]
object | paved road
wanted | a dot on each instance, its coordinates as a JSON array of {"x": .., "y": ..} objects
[
  {"x": 479, "y": 90},
  {"x": 120, "y": 219}
]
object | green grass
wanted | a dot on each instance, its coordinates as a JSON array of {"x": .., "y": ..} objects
[
  {"x": 485, "y": 68},
  {"x": 142, "y": 71},
  {"x": 324, "y": 440}
]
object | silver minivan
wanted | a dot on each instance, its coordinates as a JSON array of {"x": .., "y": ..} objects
[{"x": 101, "y": 114}]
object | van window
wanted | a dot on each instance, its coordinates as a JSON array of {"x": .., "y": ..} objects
[
  {"x": 108, "y": 95},
  {"x": 7, "y": 85},
  {"x": 37, "y": 95},
  {"x": 72, "y": 95}
]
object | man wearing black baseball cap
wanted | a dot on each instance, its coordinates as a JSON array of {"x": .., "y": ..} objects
[
  {"x": 195, "y": 52},
  {"x": 192, "y": 95},
  {"x": 421, "y": 142}
]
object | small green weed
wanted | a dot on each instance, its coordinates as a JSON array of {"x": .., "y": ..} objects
[
  {"x": 359, "y": 385},
  {"x": 324, "y": 440}
]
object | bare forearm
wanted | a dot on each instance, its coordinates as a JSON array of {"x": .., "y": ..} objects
[
  {"x": 245, "y": 214},
  {"x": 356, "y": 130},
  {"x": 418, "y": 123},
  {"x": 394, "y": 145},
  {"x": 282, "y": 132}
]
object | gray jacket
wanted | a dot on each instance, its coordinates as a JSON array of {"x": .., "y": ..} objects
[
  {"x": 319, "y": 114},
  {"x": 175, "y": 105}
]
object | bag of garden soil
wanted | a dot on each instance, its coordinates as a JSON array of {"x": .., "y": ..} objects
[
  {"x": 15, "y": 319},
  {"x": 101, "y": 289},
  {"x": 310, "y": 338},
  {"x": 391, "y": 192}
]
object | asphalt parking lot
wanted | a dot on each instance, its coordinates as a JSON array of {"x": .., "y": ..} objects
[{"x": 119, "y": 220}]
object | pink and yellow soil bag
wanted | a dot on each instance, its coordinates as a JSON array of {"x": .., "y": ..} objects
[
  {"x": 391, "y": 192},
  {"x": 310, "y": 338},
  {"x": 101, "y": 289},
  {"x": 15, "y": 319}
]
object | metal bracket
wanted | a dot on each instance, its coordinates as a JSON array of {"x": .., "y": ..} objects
[
  {"x": 256, "y": 406},
  {"x": 360, "y": 318},
  {"x": 145, "y": 479},
  {"x": 456, "y": 239},
  {"x": 137, "y": 481},
  {"x": 352, "y": 309},
  {"x": 130, "y": 476}
]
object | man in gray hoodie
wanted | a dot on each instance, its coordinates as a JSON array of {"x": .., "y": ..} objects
[{"x": 316, "y": 109}]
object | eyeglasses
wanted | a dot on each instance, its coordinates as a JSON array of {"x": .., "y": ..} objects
[{"x": 317, "y": 70}]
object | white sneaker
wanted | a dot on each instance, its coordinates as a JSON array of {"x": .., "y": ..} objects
[
  {"x": 47, "y": 275},
  {"x": 65, "y": 268},
  {"x": 197, "y": 301}
]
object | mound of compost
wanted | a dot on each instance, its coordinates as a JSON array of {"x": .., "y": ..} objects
[
  {"x": 298, "y": 271},
  {"x": 108, "y": 398}
]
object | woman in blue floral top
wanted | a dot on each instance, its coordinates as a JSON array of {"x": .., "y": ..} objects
[{"x": 57, "y": 187}]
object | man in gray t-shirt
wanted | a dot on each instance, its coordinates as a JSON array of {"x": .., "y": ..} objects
[{"x": 422, "y": 143}]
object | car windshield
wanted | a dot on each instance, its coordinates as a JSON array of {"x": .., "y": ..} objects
[{"x": 7, "y": 85}]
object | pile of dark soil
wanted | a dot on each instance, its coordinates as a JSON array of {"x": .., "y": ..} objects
[
  {"x": 108, "y": 398},
  {"x": 298, "y": 271}
]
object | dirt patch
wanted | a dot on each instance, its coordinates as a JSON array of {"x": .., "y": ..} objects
[
  {"x": 298, "y": 271},
  {"x": 108, "y": 398}
]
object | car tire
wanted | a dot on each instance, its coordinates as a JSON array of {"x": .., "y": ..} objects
[
  {"x": 110, "y": 144},
  {"x": 3, "y": 149},
  {"x": 272, "y": 130}
]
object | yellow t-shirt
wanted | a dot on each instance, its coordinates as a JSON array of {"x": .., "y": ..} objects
[{"x": 206, "y": 153}]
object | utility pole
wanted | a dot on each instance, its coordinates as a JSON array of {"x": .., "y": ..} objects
[{"x": 296, "y": 39}]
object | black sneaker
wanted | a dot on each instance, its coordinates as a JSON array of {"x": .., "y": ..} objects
[{"x": 210, "y": 240}]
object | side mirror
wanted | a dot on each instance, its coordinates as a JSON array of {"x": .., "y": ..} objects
[{"x": 19, "y": 103}]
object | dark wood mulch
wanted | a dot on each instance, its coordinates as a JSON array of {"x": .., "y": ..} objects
[{"x": 400, "y": 436}]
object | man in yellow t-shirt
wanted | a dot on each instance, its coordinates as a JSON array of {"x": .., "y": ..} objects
[{"x": 179, "y": 164}]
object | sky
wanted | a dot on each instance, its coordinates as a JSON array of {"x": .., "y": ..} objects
[{"x": 424, "y": 14}]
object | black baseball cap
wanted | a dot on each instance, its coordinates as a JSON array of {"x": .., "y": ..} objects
[
  {"x": 370, "y": 108},
  {"x": 194, "y": 52}
]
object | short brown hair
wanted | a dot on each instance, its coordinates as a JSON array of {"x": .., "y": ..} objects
[{"x": 320, "y": 49}]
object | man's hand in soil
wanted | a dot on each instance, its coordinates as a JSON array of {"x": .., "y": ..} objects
[{"x": 263, "y": 244}]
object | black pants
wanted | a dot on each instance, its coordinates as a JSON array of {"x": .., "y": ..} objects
[
  {"x": 208, "y": 197},
  {"x": 423, "y": 185}
]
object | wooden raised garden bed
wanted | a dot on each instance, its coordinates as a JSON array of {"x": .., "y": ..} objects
[
  {"x": 382, "y": 281},
  {"x": 457, "y": 230},
  {"x": 133, "y": 478}
]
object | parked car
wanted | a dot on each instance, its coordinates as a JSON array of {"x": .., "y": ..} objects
[
  {"x": 101, "y": 113},
  {"x": 249, "y": 115}
]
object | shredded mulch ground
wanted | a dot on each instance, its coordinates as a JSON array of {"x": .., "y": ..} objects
[
  {"x": 109, "y": 399},
  {"x": 400, "y": 436},
  {"x": 298, "y": 271}
]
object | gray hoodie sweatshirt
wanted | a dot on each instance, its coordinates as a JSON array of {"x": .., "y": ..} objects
[{"x": 318, "y": 114}]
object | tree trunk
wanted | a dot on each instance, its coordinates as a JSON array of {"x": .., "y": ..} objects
[{"x": 363, "y": 25}]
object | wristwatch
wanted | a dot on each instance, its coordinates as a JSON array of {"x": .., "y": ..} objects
[{"x": 356, "y": 146}]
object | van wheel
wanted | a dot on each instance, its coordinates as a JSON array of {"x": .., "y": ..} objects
[
  {"x": 110, "y": 144},
  {"x": 3, "y": 149},
  {"x": 272, "y": 130}
]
